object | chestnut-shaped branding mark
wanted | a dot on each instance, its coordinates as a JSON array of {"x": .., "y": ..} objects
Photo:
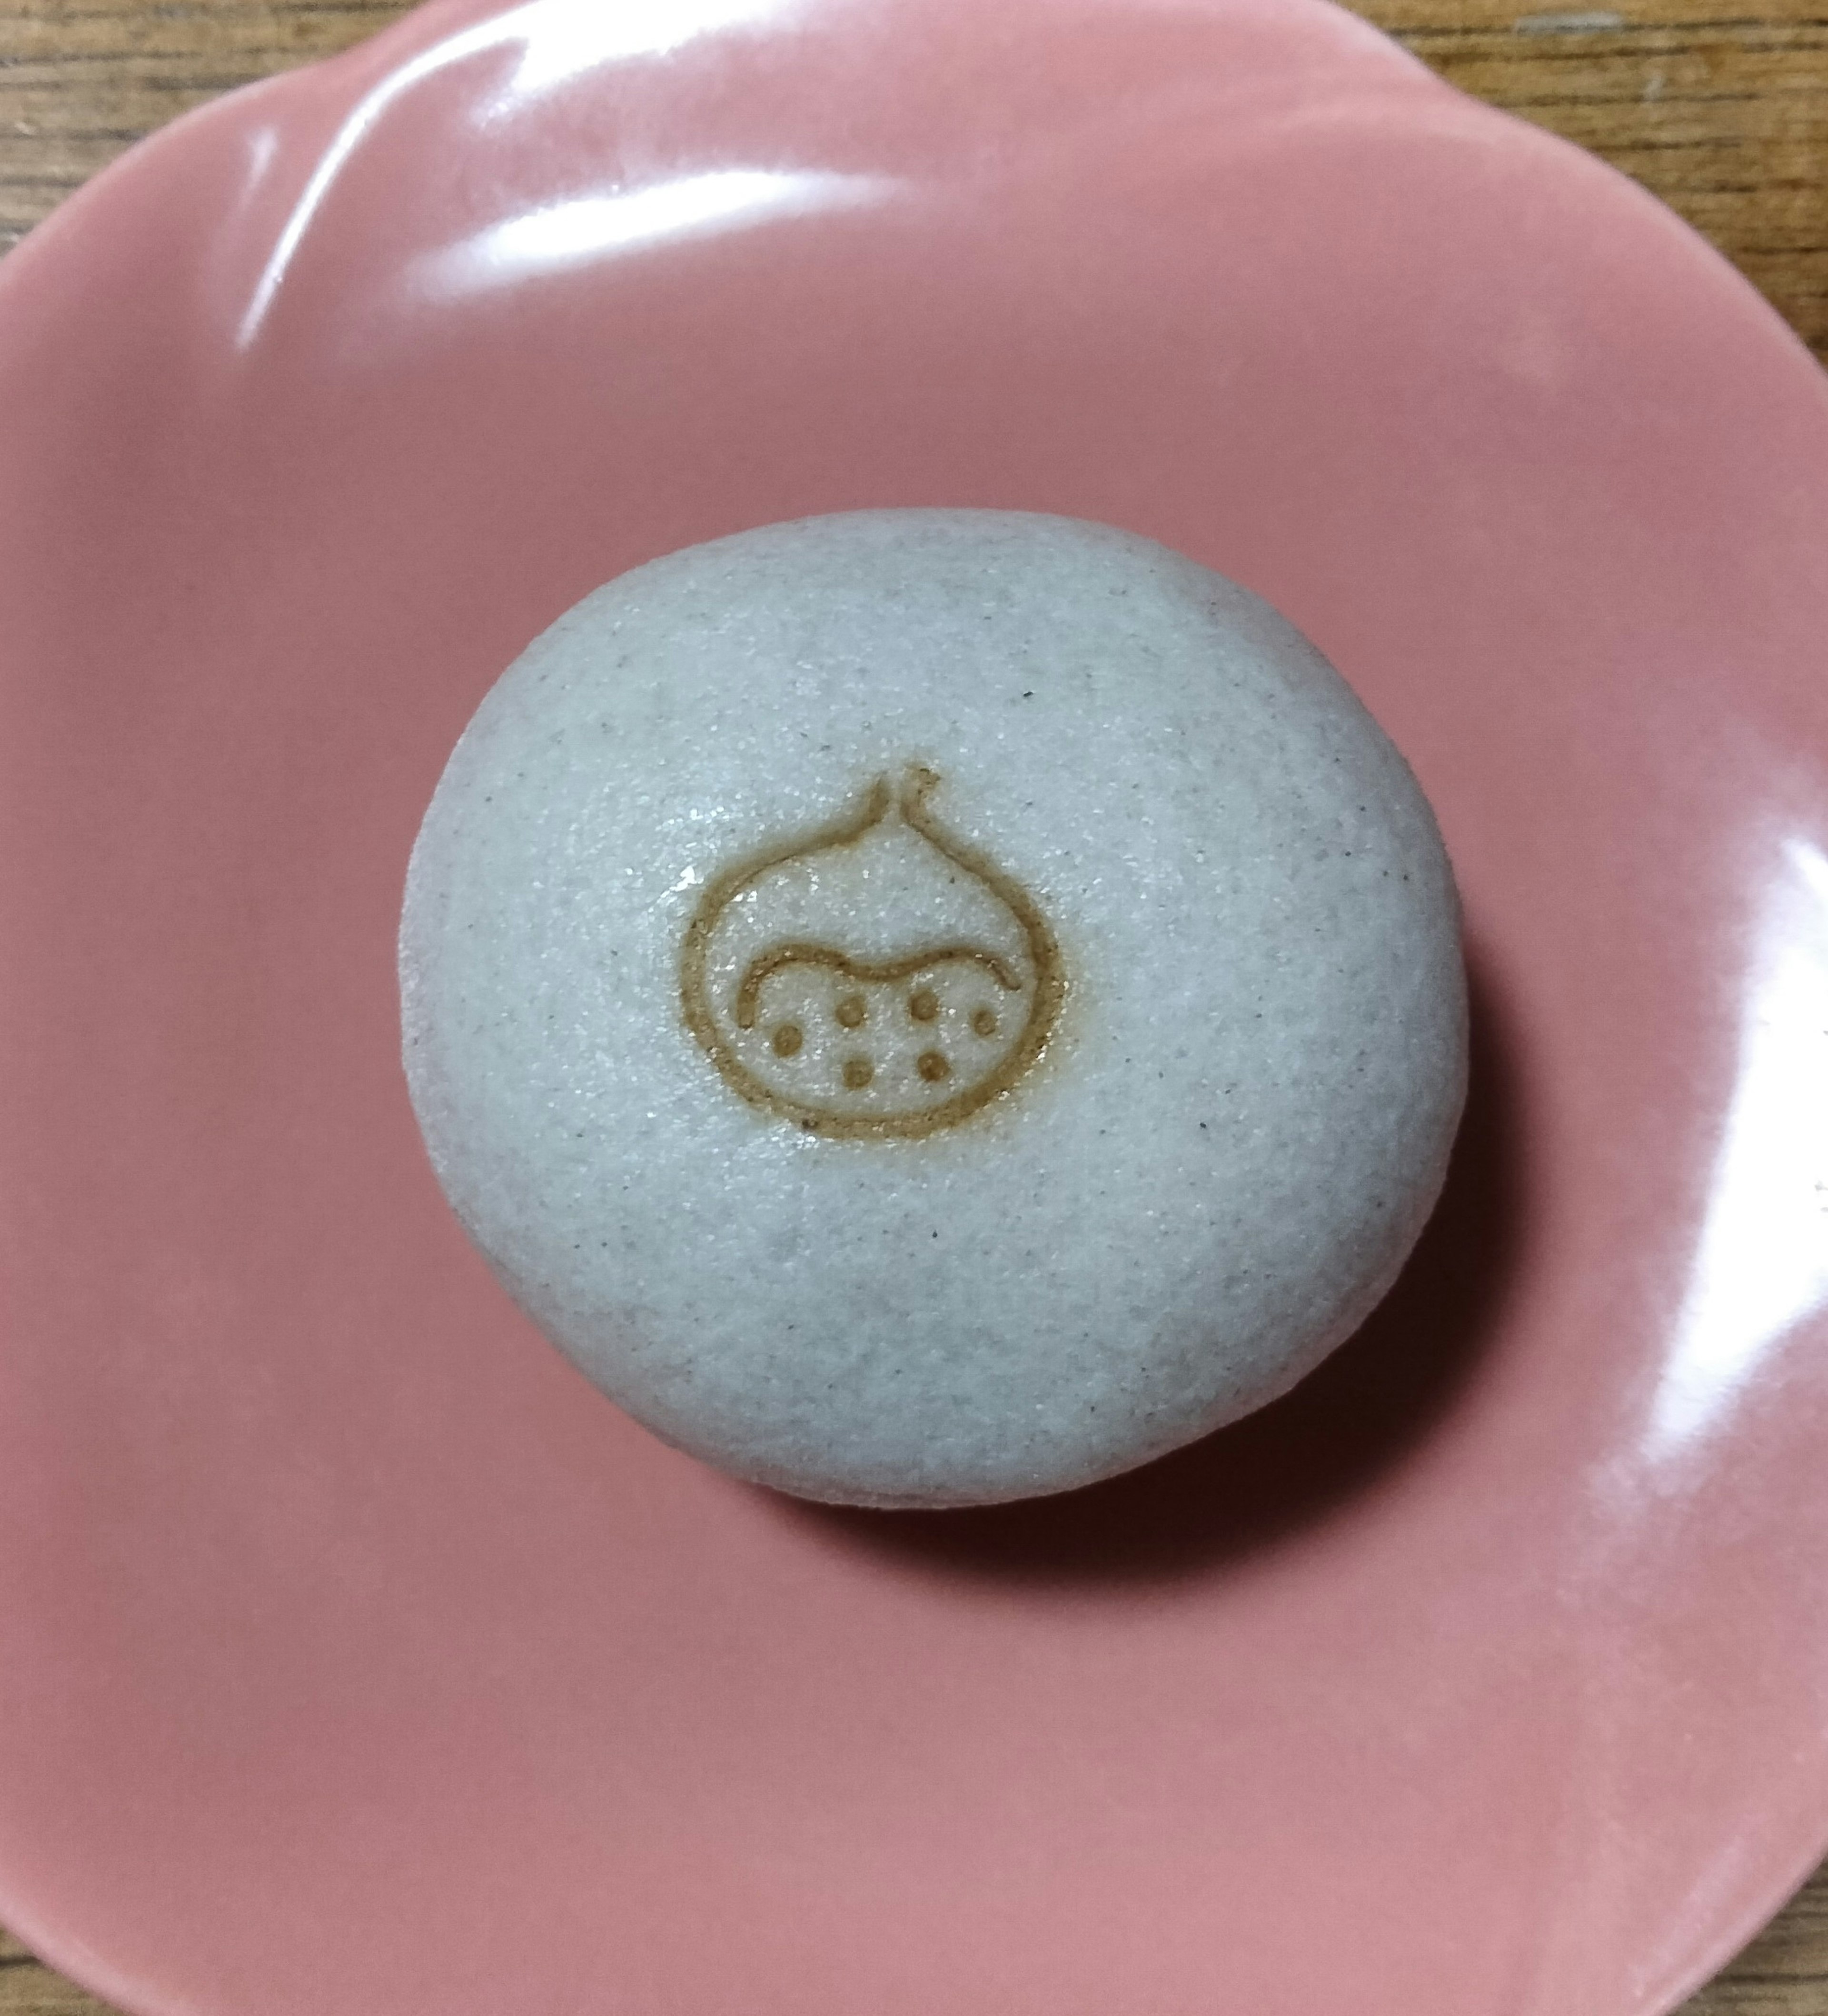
[{"x": 878, "y": 979}]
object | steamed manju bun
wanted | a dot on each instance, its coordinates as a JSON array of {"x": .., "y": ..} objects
[{"x": 932, "y": 1007}]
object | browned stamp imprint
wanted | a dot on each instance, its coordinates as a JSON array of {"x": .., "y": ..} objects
[{"x": 790, "y": 980}]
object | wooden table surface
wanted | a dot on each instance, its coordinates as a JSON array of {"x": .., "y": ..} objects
[{"x": 1721, "y": 106}]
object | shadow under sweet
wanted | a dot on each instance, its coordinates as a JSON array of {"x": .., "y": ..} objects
[{"x": 1304, "y": 1457}]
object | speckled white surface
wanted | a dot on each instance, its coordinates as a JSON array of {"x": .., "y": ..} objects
[{"x": 1240, "y": 1116}]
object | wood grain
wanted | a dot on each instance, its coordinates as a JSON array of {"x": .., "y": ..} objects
[{"x": 1723, "y": 113}]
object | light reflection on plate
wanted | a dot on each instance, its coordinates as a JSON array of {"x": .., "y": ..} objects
[{"x": 1760, "y": 1266}]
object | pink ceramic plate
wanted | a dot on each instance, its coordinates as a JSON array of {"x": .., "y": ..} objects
[{"x": 354, "y": 1655}]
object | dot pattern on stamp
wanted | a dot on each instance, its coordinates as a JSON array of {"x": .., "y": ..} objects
[{"x": 879, "y": 979}]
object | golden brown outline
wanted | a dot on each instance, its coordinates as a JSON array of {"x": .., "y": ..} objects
[
  {"x": 1050, "y": 981},
  {"x": 766, "y": 965}
]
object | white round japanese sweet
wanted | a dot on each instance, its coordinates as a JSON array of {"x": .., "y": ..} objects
[{"x": 930, "y": 1007}]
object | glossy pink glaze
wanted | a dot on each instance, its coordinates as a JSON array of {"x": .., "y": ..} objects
[{"x": 354, "y": 1654}]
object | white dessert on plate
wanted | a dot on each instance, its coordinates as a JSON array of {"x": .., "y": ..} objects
[{"x": 932, "y": 1007}]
